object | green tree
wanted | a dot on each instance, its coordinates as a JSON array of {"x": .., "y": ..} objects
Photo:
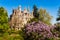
[
  {"x": 58, "y": 19},
  {"x": 35, "y": 14},
  {"x": 35, "y": 11},
  {"x": 58, "y": 14},
  {"x": 3, "y": 19},
  {"x": 44, "y": 16}
]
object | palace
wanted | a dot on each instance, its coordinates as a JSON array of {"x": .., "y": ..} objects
[{"x": 19, "y": 18}]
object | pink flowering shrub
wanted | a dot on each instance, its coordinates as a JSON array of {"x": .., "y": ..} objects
[{"x": 38, "y": 31}]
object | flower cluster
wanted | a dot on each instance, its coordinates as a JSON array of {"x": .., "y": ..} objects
[{"x": 38, "y": 30}]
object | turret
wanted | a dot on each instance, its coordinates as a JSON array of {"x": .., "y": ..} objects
[
  {"x": 25, "y": 10},
  {"x": 28, "y": 9},
  {"x": 19, "y": 7}
]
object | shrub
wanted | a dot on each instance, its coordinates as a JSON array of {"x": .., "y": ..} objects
[{"x": 38, "y": 31}]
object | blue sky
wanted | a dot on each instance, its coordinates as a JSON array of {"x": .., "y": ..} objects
[{"x": 50, "y": 5}]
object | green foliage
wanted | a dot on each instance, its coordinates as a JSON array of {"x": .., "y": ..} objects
[
  {"x": 33, "y": 19},
  {"x": 12, "y": 35},
  {"x": 58, "y": 15},
  {"x": 35, "y": 11},
  {"x": 44, "y": 16},
  {"x": 41, "y": 15},
  {"x": 3, "y": 18},
  {"x": 3, "y": 24}
]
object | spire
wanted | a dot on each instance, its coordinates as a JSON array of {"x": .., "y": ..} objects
[
  {"x": 28, "y": 9},
  {"x": 25, "y": 10},
  {"x": 19, "y": 7}
]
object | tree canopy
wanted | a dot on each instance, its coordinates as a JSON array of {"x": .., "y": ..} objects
[
  {"x": 58, "y": 14},
  {"x": 44, "y": 16},
  {"x": 41, "y": 15},
  {"x": 35, "y": 11},
  {"x": 3, "y": 18}
]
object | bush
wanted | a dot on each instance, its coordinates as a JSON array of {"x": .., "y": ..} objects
[{"x": 38, "y": 31}]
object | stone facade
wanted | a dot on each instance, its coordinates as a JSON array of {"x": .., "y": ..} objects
[{"x": 19, "y": 18}]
